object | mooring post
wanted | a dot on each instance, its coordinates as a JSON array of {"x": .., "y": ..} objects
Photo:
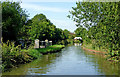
[
  {"x": 36, "y": 43},
  {"x": 46, "y": 42},
  {"x": 50, "y": 43}
]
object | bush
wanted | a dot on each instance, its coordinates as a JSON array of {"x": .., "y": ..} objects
[
  {"x": 13, "y": 55},
  {"x": 10, "y": 54},
  {"x": 34, "y": 53},
  {"x": 77, "y": 41}
]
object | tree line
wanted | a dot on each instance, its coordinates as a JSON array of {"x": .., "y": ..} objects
[
  {"x": 98, "y": 24},
  {"x": 16, "y": 25}
]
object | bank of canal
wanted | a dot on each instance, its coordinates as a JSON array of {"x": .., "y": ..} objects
[{"x": 71, "y": 60}]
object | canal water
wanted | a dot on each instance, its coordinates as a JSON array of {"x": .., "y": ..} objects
[{"x": 72, "y": 60}]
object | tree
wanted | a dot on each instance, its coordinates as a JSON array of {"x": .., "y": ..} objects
[
  {"x": 66, "y": 34},
  {"x": 58, "y": 35},
  {"x": 13, "y": 19},
  {"x": 81, "y": 32},
  {"x": 102, "y": 21},
  {"x": 41, "y": 28}
]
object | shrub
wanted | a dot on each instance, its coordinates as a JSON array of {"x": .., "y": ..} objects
[{"x": 13, "y": 55}]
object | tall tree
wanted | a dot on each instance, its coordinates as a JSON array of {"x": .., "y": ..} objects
[
  {"x": 102, "y": 19},
  {"x": 41, "y": 28},
  {"x": 13, "y": 18}
]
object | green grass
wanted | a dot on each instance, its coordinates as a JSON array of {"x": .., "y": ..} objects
[
  {"x": 90, "y": 46},
  {"x": 50, "y": 49},
  {"x": 33, "y": 53},
  {"x": 112, "y": 57}
]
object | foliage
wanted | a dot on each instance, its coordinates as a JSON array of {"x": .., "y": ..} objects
[
  {"x": 58, "y": 35},
  {"x": 13, "y": 55},
  {"x": 9, "y": 53},
  {"x": 67, "y": 37},
  {"x": 16, "y": 26},
  {"x": 81, "y": 32},
  {"x": 101, "y": 19},
  {"x": 77, "y": 41},
  {"x": 33, "y": 53},
  {"x": 41, "y": 28},
  {"x": 13, "y": 18}
]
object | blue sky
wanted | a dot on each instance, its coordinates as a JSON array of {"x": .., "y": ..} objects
[{"x": 55, "y": 10}]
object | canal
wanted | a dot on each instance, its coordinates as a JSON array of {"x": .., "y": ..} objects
[{"x": 72, "y": 60}]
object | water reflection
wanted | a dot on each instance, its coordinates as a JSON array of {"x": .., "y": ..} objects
[
  {"x": 39, "y": 66},
  {"x": 72, "y": 60},
  {"x": 77, "y": 44},
  {"x": 103, "y": 66}
]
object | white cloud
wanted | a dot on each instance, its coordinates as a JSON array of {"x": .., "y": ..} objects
[
  {"x": 58, "y": 19},
  {"x": 43, "y": 8},
  {"x": 65, "y": 24}
]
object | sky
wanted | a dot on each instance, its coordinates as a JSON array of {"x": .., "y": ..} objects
[{"x": 55, "y": 10}]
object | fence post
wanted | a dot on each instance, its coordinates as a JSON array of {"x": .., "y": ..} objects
[
  {"x": 50, "y": 43},
  {"x": 46, "y": 43}
]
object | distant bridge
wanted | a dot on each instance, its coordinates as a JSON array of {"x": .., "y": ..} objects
[{"x": 77, "y": 38}]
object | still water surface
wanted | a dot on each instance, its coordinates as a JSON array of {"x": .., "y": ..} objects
[{"x": 72, "y": 60}]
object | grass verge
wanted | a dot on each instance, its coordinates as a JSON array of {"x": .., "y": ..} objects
[
  {"x": 101, "y": 51},
  {"x": 50, "y": 49}
]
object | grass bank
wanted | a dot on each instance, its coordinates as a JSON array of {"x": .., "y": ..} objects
[
  {"x": 12, "y": 55},
  {"x": 94, "y": 50},
  {"x": 102, "y": 51},
  {"x": 50, "y": 49}
]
